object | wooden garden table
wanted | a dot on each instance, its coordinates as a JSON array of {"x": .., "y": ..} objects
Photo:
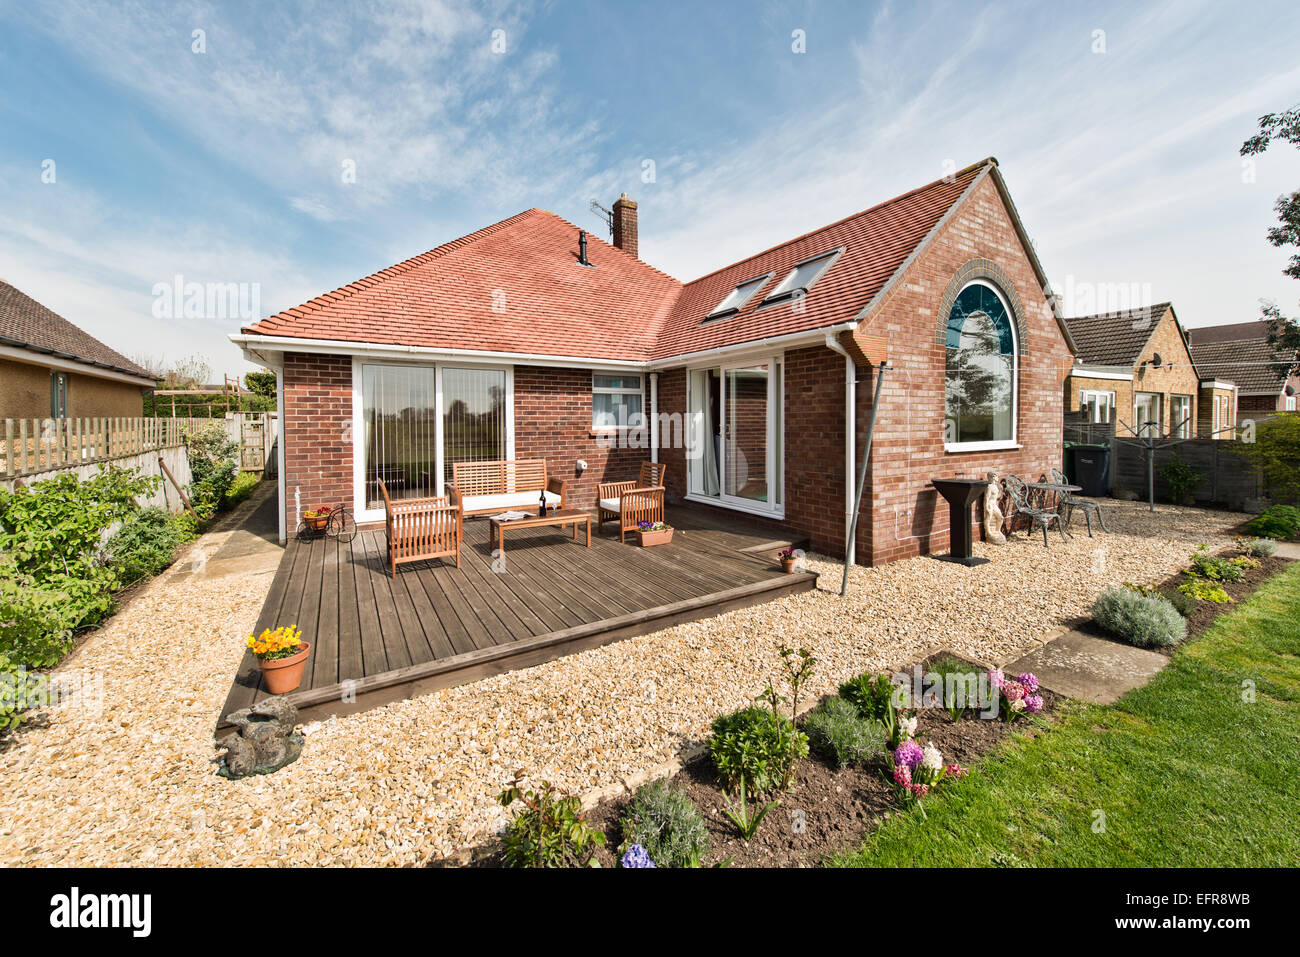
[{"x": 556, "y": 517}]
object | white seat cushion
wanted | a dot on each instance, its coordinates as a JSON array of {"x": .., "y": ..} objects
[
  {"x": 609, "y": 504},
  {"x": 524, "y": 500}
]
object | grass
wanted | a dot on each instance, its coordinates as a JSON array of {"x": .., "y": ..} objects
[{"x": 1184, "y": 770}]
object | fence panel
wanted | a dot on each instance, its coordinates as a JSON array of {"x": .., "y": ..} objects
[{"x": 33, "y": 446}]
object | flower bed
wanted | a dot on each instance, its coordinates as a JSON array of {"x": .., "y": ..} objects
[{"x": 828, "y": 808}]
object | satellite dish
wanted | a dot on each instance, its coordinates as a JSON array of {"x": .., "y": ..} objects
[
  {"x": 1290, "y": 390},
  {"x": 1156, "y": 361}
]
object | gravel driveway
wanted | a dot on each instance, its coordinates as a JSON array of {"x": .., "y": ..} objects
[{"x": 132, "y": 783}]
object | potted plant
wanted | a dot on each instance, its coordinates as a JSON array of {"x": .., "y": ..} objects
[
  {"x": 282, "y": 654},
  {"x": 653, "y": 533},
  {"x": 788, "y": 558},
  {"x": 317, "y": 518}
]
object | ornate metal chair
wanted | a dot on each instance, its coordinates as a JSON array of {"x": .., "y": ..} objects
[
  {"x": 1038, "y": 517},
  {"x": 1069, "y": 502}
]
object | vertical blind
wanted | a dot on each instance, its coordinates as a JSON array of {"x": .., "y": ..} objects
[
  {"x": 474, "y": 416},
  {"x": 400, "y": 423}
]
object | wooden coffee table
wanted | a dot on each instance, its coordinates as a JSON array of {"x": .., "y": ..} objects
[{"x": 555, "y": 517}]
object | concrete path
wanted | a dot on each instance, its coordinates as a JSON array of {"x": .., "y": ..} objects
[
  {"x": 244, "y": 541},
  {"x": 1289, "y": 550},
  {"x": 1089, "y": 668}
]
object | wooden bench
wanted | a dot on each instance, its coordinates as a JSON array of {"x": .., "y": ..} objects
[
  {"x": 421, "y": 528},
  {"x": 630, "y": 503},
  {"x": 486, "y": 488}
]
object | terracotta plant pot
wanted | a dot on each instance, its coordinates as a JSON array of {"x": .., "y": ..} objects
[
  {"x": 316, "y": 523},
  {"x": 659, "y": 537},
  {"x": 283, "y": 675},
  {"x": 787, "y": 565}
]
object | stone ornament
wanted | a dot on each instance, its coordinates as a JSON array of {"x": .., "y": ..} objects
[
  {"x": 993, "y": 516},
  {"x": 263, "y": 742}
]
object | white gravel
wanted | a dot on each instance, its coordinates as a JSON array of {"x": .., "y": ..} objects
[{"x": 132, "y": 783}]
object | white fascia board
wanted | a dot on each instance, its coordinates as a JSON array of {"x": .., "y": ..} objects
[
  {"x": 756, "y": 346},
  {"x": 1117, "y": 373}
]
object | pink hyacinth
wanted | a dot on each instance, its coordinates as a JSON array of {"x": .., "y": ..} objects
[
  {"x": 955, "y": 771},
  {"x": 996, "y": 677},
  {"x": 920, "y": 790},
  {"x": 909, "y": 754},
  {"x": 1029, "y": 680},
  {"x": 1033, "y": 703},
  {"x": 1013, "y": 690},
  {"x": 902, "y": 775}
]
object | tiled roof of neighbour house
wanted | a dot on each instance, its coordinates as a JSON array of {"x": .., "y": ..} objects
[
  {"x": 623, "y": 309},
  {"x": 1255, "y": 366},
  {"x": 875, "y": 242},
  {"x": 1232, "y": 332},
  {"x": 26, "y": 324},
  {"x": 515, "y": 286},
  {"x": 1118, "y": 338}
]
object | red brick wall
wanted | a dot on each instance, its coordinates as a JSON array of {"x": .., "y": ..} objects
[
  {"x": 553, "y": 422},
  {"x": 317, "y": 419},
  {"x": 907, "y": 517}
]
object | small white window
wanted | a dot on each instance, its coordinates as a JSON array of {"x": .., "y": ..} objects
[
  {"x": 1096, "y": 405},
  {"x": 738, "y": 297},
  {"x": 616, "y": 402},
  {"x": 803, "y": 276},
  {"x": 1180, "y": 416},
  {"x": 1290, "y": 403},
  {"x": 1147, "y": 407}
]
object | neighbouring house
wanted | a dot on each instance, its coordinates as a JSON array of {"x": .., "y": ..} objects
[
  {"x": 754, "y": 384},
  {"x": 1267, "y": 380},
  {"x": 1134, "y": 368},
  {"x": 50, "y": 368}
]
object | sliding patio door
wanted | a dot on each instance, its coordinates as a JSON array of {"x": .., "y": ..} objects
[
  {"x": 400, "y": 424},
  {"x": 735, "y": 435},
  {"x": 418, "y": 420}
]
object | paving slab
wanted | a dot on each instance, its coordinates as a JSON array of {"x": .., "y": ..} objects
[
  {"x": 1289, "y": 550},
  {"x": 1089, "y": 668}
]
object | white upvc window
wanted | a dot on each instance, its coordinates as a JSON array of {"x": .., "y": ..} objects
[
  {"x": 1180, "y": 416},
  {"x": 617, "y": 401},
  {"x": 1097, "y": 405},
  {"x": 1147, "y": 409}
]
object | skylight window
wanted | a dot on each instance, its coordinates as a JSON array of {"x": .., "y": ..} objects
[
  {"x": 738, "y": 297},
  {"x": 802, "y": 277}
]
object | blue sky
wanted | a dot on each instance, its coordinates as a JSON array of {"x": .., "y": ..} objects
[{"x": 226, "y": 166}]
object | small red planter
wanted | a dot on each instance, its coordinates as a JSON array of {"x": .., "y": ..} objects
[
  {"x": 283, "y": 675},
  {"x": 787, "y": 565},
  {"x": 660, "y": 536}
]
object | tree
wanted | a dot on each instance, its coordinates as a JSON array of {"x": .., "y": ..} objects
[
  {"x": 261, "y": 383},
  {"x": 1284, "y": 332}
]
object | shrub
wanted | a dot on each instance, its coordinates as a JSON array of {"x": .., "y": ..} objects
[
  {"x": 1214, "y": 567},
  {"x": 836, "y": 729},
  {"x": 877, "y": 698},
  {"x": 957, "y": 683},
  {"x": 1258, "y": 547},
  {"x": 16, "y": 691},
  {"x": 146, "y": 544},
  {"x": 1146, "y": 621},
  {"x": 664, "y": 821},
  {"x": 36, "y": 622},
  {"x": 756, "y": 745},
  {"x": 243, "y": 486},
  {"x": 212, "y": 467},
  {"x": 1180, "y": 478},
  {"x": 551, "y": 831},
  {"x": 1200, "y": 589},
  {"x": 1269, "y": 526},
  {"x": 1183, "y": 603},
  {"x": 1275, "y": 452}
]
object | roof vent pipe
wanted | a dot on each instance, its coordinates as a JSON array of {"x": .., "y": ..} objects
[{"x": 582, "y": 248}]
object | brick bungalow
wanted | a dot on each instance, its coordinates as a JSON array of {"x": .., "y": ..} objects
[
  {"x": 753, "y": 384},
  {"x": 1135, "y": 367},
  {"x": 1267, "y": 380}
]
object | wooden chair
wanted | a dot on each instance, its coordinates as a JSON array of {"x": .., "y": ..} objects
[
  {"x": 632, "y": 502},
  {"x": 421, "y": 528}
]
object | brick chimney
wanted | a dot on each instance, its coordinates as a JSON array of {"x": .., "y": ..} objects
[{"x": 625, "y": 224}]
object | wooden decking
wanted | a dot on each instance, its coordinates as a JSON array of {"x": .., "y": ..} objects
[{"x": 376, "y": 639}]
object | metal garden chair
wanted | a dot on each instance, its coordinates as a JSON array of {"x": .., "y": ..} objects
[
  {"x": 1069, "y": 502},
  {"x": 1038, "y": 517}
]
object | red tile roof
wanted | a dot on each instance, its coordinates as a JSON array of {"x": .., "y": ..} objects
[
  {"x": 622, "y": 308},
  {"x": 26, "y": 324}
]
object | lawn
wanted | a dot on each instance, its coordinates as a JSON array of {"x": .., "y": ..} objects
[{"x": 1183, "y": 772}]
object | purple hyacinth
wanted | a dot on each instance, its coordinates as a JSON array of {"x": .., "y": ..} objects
[
  {"x": 909, "y": 754},
  {"x": 1030, "y": 681},
  {"x": 636, "y": 856},
  {"x": 1033, "y": 703}
]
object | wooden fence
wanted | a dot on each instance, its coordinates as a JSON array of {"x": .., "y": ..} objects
[{"x": 33, "y": 446}]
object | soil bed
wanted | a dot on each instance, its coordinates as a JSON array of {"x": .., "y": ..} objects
[
  {"x": 829, "y": 809},
  {"x": 1206, "y": 611}
]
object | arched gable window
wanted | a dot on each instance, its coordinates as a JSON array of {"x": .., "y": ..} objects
[{"x": 980, "y": 386}]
